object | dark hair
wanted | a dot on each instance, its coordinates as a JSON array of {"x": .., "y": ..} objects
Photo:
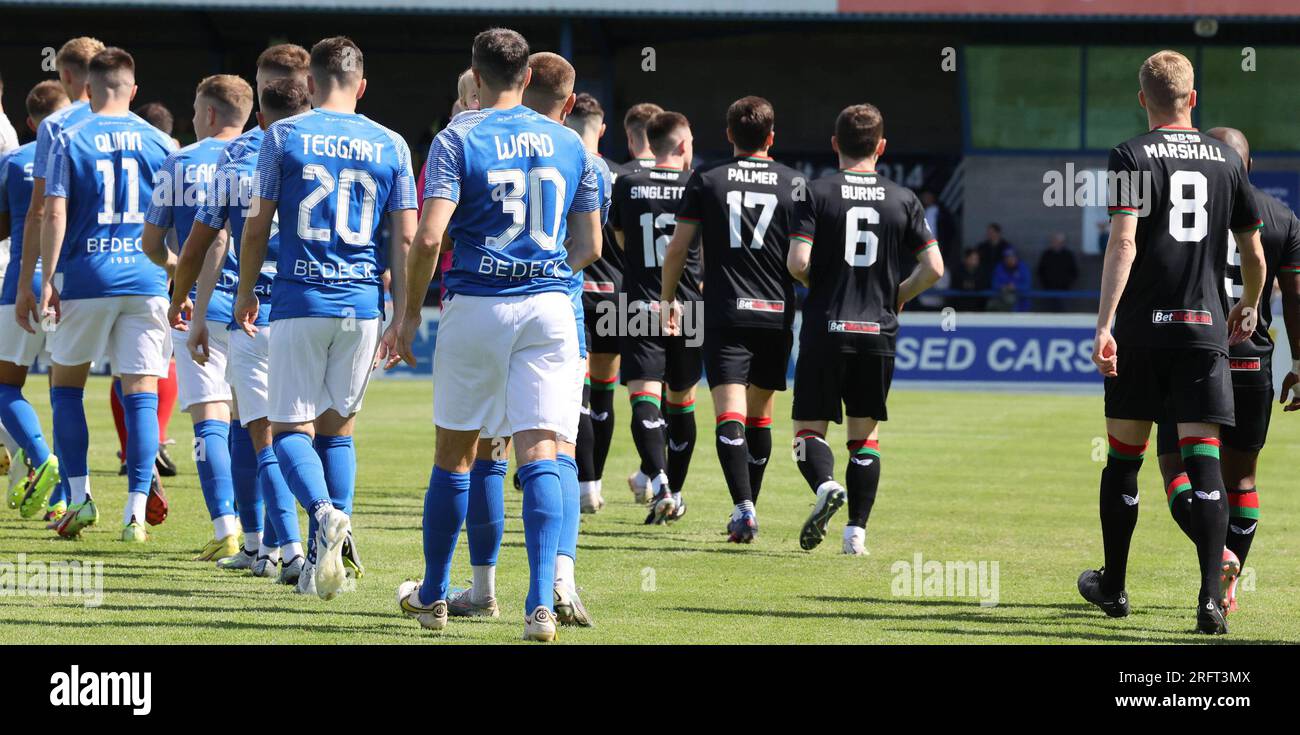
[
  {"x": 636, "y": 117},
  {"x": 553, "y": 77},
  {"x": 660, "y": 131},
  {"x": 157, "y": 115},
  {"x": 587, "y": 106},
  {"x": 284, "y": 97},
  {"x": 338, "y": 59},
  {"x": 750, "y": 120},
  {"x": 113, "y": 65},
  {"x": 500, "y": 57},
  {"x": 45, "y": 98},
  {"x": 858, "y": 130},
  {"x": 284, "y": 58}
]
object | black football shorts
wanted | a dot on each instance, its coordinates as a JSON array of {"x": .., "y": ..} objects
[{"x": 1179, "y": 385}]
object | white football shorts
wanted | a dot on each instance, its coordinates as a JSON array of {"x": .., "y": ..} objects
[
  {"x": 130, "y": 331},
  {"x": 248, "y": 370},
  {"x": 506, "y": 364},
  {"x": 17, "y": 345},
  {"x": 204, "y": 383},
  {"x": 319, "y": 363}
]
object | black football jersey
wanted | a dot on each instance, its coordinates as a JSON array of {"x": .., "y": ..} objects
[
  {"x": 603, "y": 278},
  {"x": 644, "y": 209},
  {"x": 858, "y": 224},
  {"x": 1187, "y": 191},
  {"x": 745, "y": 210},
  {"x": 1281, "y": 239}
]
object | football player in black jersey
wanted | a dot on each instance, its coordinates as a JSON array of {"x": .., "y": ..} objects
[
  {"x": 643, "y": 215},
  {"x": 600, "y": 287},
  {"x": 1250, "y": 363},
  {"x": 743, "y": 207},
  {"x": 1177, "y": 194},
  {"x": 850, "y": 231}
]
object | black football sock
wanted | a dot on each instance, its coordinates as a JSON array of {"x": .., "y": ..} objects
[
  {"x": 814, "y": 458},
  {"x": 602, "y": 422},
  {"x": 1209, "y": 510},
  {"x": 1243, "y": 517},
  {"x": 863, "y": 479},
  {"x": 758, "y": 439},
  {"x": 1180, "y": 502},
  {"x": 733, "y": 456},
  {"x": 585, "y": 445},
  {"x": 648, "y": 433},
  {"x": 1119, "y": 510},
  {"x": 681, "y": 442}
]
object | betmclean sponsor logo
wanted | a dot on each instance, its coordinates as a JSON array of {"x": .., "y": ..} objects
[
  {"x": 524, "y": 145},
  {"x": 777, "y": 307},
  {"x": 1181, "y": 316},
  {"x": 1245, "y": 364},
  {"x": 598, "y": 286},
  {"x": 853, "y": 327},
  {"x": 77, "y": 688}
]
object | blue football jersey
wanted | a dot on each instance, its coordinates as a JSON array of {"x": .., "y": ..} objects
[
  {"x": 604, "y": 184},
  {"x": 180, "y": 189},
  {"x": 16, "y": 169},
  {"x": 249, "y": 140},
  {"x": 334, "y": 176},
  {"x": 50, "y": 129},
  {"x": 227, "y": 203},
  {"x": 515, "y": 176},
  {"x": 105, "y": 167}
]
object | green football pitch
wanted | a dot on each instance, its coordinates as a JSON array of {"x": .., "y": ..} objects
[{"x": 984, "y": 496}]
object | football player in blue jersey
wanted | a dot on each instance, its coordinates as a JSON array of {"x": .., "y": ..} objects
[
  {"x": 549, "y": 92},
  {"x": 19, "y": 348},
  {"x": 249, "y": 354},
  {"x": 104, "y": 294},
  {"x": 331, "y": 176},
  {"x": 511, "y": 187},
  {"x": 222, "y": 104}
]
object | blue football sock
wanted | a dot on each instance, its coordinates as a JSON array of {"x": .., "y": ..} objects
[
  {"x": 243, "y": 471},
  {"x": 485, "y": 519},
  {"x": 141, "y": 414},
  {"x": 62, "y": 492},
  {"x": 339, "y": 458},
  {"x": 70, "y": 431},
  {"x": 543, "y": 517},
  {"x": 270, "y": 539},
  {"x": 212, "y": 458},
  {"x": 571, "y": 507},
  {"x": 20, "y": 419},
  {"x": 281, "y": 512},
  {"x": 302, "y": 470},
  {"x": 444, "y": 512}
]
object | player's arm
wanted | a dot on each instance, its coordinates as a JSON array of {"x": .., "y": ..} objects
[
  {"x": 25, "y": 302},
  {"x": 619, "y": 238},
  {"x": 1288, "y": 283},
  {"x": 584, "y": 239},
  {"x": 194, "y": 253},
  {"x": 252, "y": 254},
  {"x": 799, "y": 257},
  {"x": 674, "y": 264},
  {"x": 207, "y": 283},
  {"x": 1245, "y": 314},
  {"x": 421, "y": 259},
  {"x": 928, "y": 271},
  {"x": 154, "y": 244},
  {"x": 1121, "y": 250},
  {"x": 401, "y": 232},
  {"x": 52, "y": 231}
]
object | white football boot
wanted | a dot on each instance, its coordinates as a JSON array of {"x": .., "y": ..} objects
[
  {"x": 855, "y": 541},
  {"x": 430, "y": 617},
  {"x": 540, "y": 625},
  {"x": 330, "y": 573}
]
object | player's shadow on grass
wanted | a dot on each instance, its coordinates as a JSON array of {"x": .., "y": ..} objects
[
  {"x": 933, "y": 602},
  {"x": 1080, "y": 636},
  {"x": 731, "y": 550}
]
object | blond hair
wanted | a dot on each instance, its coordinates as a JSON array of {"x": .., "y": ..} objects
[
  {"x": 230, "y": 94},
  {"x": 75, "y": 55},
  {"x": 1167, "y": 79}
]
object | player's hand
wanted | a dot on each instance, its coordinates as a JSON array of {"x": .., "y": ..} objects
[
  {"x": 402, "y": 348},
  {"x": 670, "y": 315},
  {"x": 246, "y": 308},
  {"x": 1241, "y": 323},
  {"x": 1291, "y": 386},
  {"x": 198, "y": 342},
  {"x": 1105, "y": 354},
  {"x": 387, "y": 355},
  {"x": 179, "y": 313},
  {"x": 51, "y": 310},
  {"x": 26, "y": 311}
]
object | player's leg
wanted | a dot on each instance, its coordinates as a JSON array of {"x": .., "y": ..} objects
[
  {"x": 1239, "y": 467},
  {"x": 648, "y": 436},
  {"x": 569, "y": 609},
  {"x": 729, "y": 406},
  {"x": 119, "y": 421},
  {"x": 818, "y": 398},
  {"x": 168, "y": 392},
  {"x": 338, "y": 457},
  {"x": 543, "y": 515},
  {"x": 866, "y": 399},
  {"x": 29, "y": 494},
  {"x": 759, "y": 403},
  {"x": 1174, "y": 476},
  {"x": 604, "y": 369},
  {"x": 685, "y": 366},
  {"x": 584, "y": 453},
  {"x": 1118, "y": 509},
  {"x": 485, "y": 521}
]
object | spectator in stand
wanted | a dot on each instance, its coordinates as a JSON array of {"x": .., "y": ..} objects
[
  {"x": 940, "y": 224},
  {"x": 991, "y": 248},
  {"x": 1012, "y": 279},
  {"x": 1057, "y": 271},
  {"x": 969, "y": 277}
]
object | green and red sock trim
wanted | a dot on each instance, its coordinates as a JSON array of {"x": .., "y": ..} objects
[
  {"x": 645, "y": 396},
  {"x": 1177, "y": 486},
  {"x": 1129, "y": 452},
  {"x": 1259, "y": 225},
  {"x": 679, "y": 408},
  {"x": 758, "y": 422},
  {"x": 731, "y": 416},
  {"x": 1243, "y": 504},
  {"x": 602, "y": 383},
  {"x": 1122, "y": 210},
  {"x": 1290, "y": 269},
  {"x": 806, "y": 433},
  {"x": 860, "y": 447},
  {"x": 1199, "y": 446},
  {"x": 931, "y": 244},
  {"x": 802, "y": 237}
]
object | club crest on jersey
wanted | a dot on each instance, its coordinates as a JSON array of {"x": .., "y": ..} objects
[
  {"x": 1245, "y": 364},
  {"x": 836, "y": 325},
  {"x": 1181, "y": 316},
  {"x": 777, "y": 307}
]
